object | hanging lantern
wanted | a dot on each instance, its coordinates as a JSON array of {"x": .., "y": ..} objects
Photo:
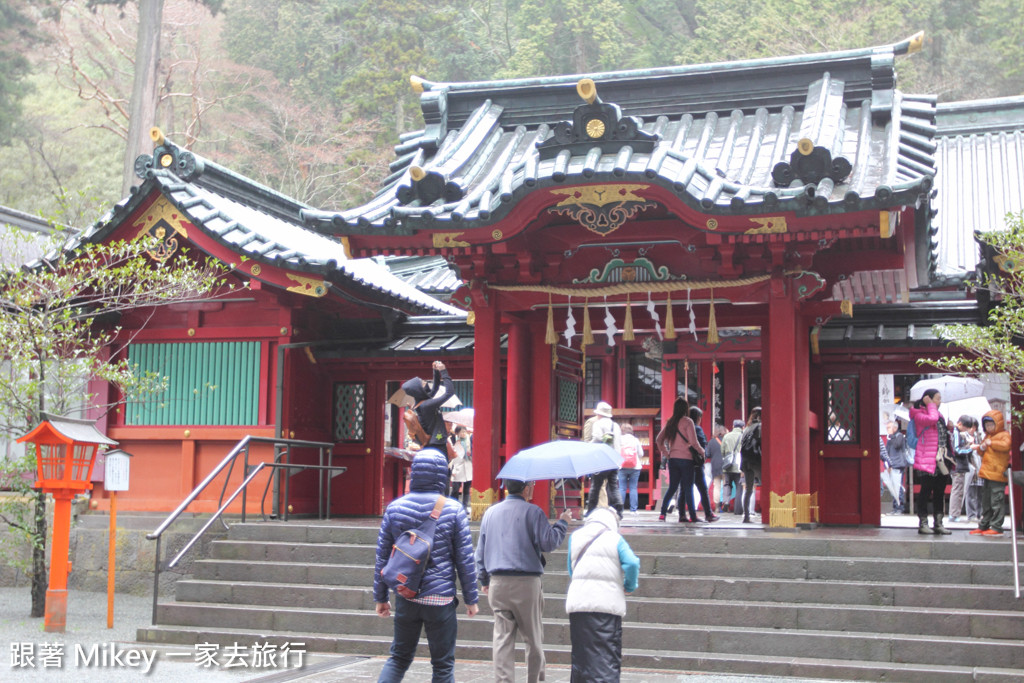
[
  {"x": 627, "y": 326},
  {"x": 549, "y": 335},
  {"x": 670, "y": 324}
]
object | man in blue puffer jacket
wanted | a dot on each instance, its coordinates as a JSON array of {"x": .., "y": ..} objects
[{"x": 434, "y": 607}]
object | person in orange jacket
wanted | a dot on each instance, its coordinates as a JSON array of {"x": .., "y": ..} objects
[{"x": 995, "y": 458}]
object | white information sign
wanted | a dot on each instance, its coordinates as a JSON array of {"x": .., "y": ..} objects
[{"x": 115, "y": 473}]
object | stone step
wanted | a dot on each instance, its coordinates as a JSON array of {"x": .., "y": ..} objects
[
  {"x": 778, "y": 642},
  {"x": 683, "y": 660},
  {"x": 656, "y": 610},
  {"x": 827, "y": 568},
  {"x": 902, "y": 607},
  {"x": 317, "y": 553},
  {"x": 904, "y": 544},
  {"x": 770, "y": 591}
]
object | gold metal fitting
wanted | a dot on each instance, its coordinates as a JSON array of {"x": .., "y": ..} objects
[
  {"x": 156, "y": 135},
  {"x": 417, "y": 84},
  {"x": 587, "y": 89},
  {"x": 916, "y": 43},
  {"x": 805, "y": 146},
  {"x": 417, "y": 173}
]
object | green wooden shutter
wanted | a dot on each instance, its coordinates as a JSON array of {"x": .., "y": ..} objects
[{"x": 208, "y": 383}]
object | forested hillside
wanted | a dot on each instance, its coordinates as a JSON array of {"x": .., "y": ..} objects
[{"x": 308, "y": 96}]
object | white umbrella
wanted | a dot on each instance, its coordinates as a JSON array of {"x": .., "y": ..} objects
[
  {"x": 951, "y": 387},
  {"x": 975, "y": 407},
  {"x": 463, "y": 416}
]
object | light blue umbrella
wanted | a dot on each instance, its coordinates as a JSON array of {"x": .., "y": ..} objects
[{"x": 560, "y": 460}]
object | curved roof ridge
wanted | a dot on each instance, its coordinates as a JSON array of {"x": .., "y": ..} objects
[{"x": 905, "y": 46}]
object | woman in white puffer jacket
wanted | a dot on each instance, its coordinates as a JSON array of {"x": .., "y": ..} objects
[{"x": 603, "y": 568}]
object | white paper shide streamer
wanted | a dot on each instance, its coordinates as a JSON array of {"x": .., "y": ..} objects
[
  {"x": 693, "y": 316},
  {"x": 654, "y": 316},
  {"x": 609, "y": 321},
  {"x": 570, "y": 325}
]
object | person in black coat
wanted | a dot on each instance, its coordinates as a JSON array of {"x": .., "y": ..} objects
[
  {"x": 429, "y": 402},
  {"x": 698, "y": 472}
]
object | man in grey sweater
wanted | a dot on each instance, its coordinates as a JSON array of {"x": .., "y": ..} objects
[{"x": 513, "y": 534}]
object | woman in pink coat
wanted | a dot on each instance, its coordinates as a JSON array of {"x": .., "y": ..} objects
[{"x": 930, "y": 427}]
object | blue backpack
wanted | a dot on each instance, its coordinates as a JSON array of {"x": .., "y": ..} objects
[
  {"x": 911, "y": 436},
  {"x": 410, "y": 554}
]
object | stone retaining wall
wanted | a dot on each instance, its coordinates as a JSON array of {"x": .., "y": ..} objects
[{"x": 89, "y": 552}]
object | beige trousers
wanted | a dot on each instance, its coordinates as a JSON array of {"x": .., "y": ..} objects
[{"x": 518, "y": 606}]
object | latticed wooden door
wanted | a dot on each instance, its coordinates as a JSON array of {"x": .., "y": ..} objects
[
  {"x": 567, "y": 393},
  {"x": 847, "y": 446}
]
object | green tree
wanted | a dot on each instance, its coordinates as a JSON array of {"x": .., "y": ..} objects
[
  {"x": 56, "y": 337},
  {"x": 998, "y": 345},
  {"x": 572, "y": 36},
  {"x": 17, "y": 34},
  {"x": 58, "y": 166}
]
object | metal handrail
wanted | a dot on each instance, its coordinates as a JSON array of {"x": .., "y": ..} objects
[
  {"x": 228, "y": 460},
  {"x": 1013, "y": 537}
]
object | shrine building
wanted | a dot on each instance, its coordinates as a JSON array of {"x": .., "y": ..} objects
[{"x": 777, "y": 232}]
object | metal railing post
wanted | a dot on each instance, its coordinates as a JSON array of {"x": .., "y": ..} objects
[
  {"x": 156, "y": 578},
  {"x": 287, "y": 482},
  {"x": 1013, "y": 537},
  {"x": 245, "y": 473}
]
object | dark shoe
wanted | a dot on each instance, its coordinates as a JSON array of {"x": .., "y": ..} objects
[
  {"x": 746, "y": 520},
  {"x": 713, "y": 517},
  {"x": 923, "y": 528},
  {"x": 941, "y": 530}
]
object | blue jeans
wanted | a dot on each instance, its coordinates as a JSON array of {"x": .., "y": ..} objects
[
  {"x": 628, "y": 480},
  {"x": 442, "y": 628}
]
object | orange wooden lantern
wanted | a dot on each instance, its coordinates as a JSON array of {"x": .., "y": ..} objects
[{"x": 65, "y": 455}]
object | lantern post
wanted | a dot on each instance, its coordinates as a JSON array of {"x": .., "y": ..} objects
[{"x": 65, "y": 455}]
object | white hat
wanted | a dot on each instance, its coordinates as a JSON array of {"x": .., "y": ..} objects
[{"x": 603, "y": 409}]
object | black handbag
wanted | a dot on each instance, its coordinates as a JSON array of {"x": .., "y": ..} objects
[{"x": 698, "y": 457}]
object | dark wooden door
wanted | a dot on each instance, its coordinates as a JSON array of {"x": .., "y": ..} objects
[{"x": 846, "y": 444}]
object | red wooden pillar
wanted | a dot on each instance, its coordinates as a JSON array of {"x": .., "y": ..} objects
[
  {"x": 669, "y": 381},
  {"x": 780, "y": 388},
  {"x": 541, "y": 413},
  {"x": 486, "y": 398},
  {"x": 610, "y": 380},
  {"x": 517, "y": 397},
  {"x": 517, "y": 401},
  {"x": 803, "y": 406}
]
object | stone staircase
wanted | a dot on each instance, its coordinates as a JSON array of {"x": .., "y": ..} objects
[{"x": 827, "y": 603}]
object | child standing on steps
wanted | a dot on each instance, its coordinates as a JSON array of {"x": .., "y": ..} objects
[{"x": 995, "y": 458}]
